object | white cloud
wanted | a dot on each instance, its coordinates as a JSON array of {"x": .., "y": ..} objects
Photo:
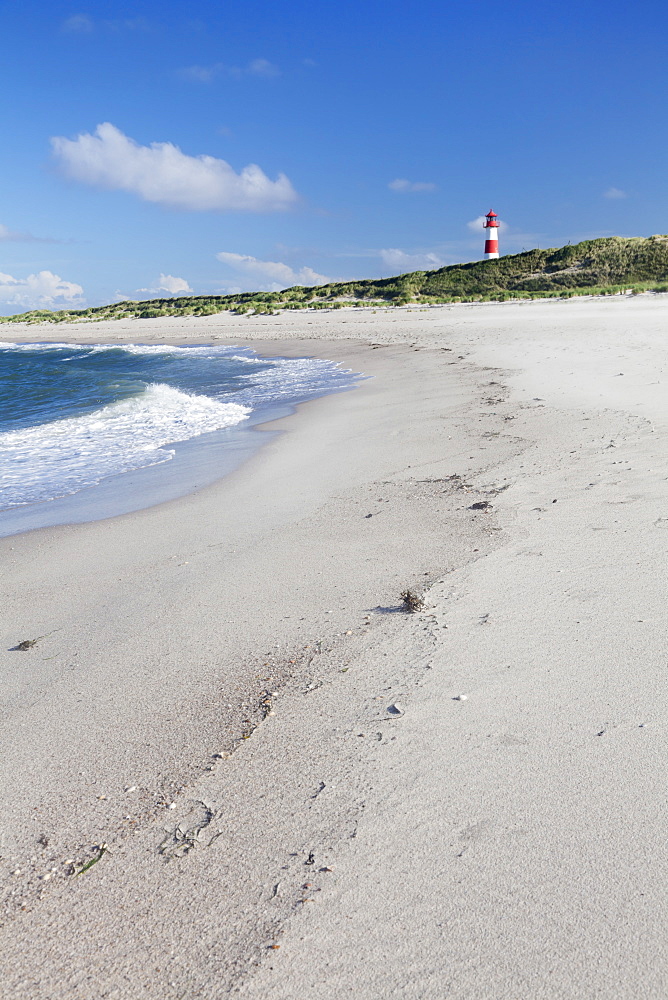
[
  {"x": 262, "y": 67},
  {"x": 268, "y": 275},
  {"x": 614, "y": 192},
  {"x": 168, "y": 283},
  {"x": 43, "y": 290},
  {"x": 205, "y": 74},
  {"x": 175, "y": 286},
  {"x": 161, "y": 173},
  {"x": 403, "y": 186},
  {"x": 78, "y": 24},
  {"x": 83, "y": 24},
  {"x": 400, "y": 262},
  {"x": 202, "y": 74}
]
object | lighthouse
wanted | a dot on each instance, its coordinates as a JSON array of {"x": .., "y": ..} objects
[{"x": 491, "y": 224}]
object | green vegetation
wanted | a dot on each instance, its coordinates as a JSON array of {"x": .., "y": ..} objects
[{"x": 595, "y": 267}]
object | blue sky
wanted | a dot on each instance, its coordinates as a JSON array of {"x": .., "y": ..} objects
[{"x": 155, "y": 148}]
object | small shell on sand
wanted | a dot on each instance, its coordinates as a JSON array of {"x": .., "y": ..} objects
[{"x": 460, "y": 697}]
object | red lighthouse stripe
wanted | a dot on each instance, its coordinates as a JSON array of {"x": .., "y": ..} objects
[{"x": 491, "y": 246}]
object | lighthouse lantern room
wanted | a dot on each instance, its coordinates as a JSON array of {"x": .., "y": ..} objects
[{"x": 491, "y": 224}]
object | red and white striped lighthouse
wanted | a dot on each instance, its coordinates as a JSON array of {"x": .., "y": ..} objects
[{"x": 492, "y": 242}]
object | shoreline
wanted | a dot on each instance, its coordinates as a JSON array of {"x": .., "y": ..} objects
[
  {"x": 169, "y": 533},
  {"x": 197, "y": 463},
  {"x": 169, "y": 616}
]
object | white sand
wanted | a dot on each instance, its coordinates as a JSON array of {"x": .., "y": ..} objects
[{"x": 509, "y": 845}]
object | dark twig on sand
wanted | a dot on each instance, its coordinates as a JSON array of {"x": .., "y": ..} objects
[{"x": 29, "y": 643}]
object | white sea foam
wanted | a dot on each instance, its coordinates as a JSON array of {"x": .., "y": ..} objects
[
  {"x": 63, "y": 456},
  {"x": 11, "y": 345},
  {"x": 290, "y": 378}
]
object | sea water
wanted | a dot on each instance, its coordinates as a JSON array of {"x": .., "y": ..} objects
[{"x": 88, "y": 423}]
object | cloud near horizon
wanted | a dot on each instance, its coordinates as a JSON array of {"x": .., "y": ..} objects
[
  {"x": 274, "y": 274},
  {"x": 42, "y": 290},
  {"x": 401, "y": 262},
  {"x": 161, "y": 173},
  {"x": 403, "y": 186}
]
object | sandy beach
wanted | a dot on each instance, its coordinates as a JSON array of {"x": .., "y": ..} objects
[{"x": 287, "y": 786}]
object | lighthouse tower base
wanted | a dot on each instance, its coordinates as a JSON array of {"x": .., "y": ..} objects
[{"x": 492, "y": 246}]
